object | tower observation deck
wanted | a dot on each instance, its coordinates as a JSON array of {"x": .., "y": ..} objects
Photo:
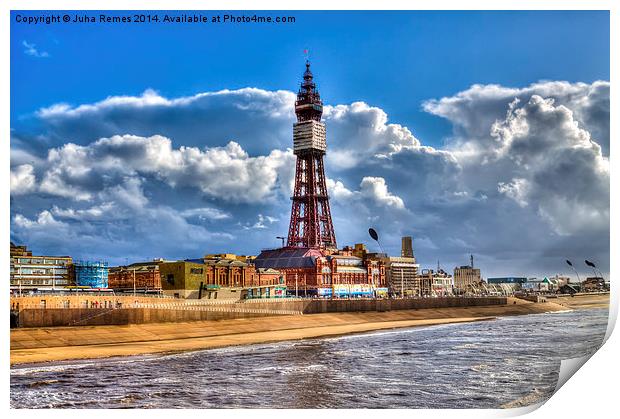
[{"x": 311, "y": 222}]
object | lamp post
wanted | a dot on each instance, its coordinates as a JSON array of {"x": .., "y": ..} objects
[
  {"x": 375, "y": 236},
  {"x": 590, "y": 264},
  {"x": 594, "y": 268},
  {"x": 573, "y": 268},
  {"x": 281, "y": 238}
]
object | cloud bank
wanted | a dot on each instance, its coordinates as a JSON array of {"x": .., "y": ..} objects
[{"x": 523, "y": 182}]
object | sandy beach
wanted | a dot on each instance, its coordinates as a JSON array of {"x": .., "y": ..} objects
[{"x": 34, "y": 345}]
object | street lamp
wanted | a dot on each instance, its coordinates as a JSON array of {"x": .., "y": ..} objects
[
  {"x": 593, "y": 266},
  {"x": 375, "y": 237},
  {"x": 281, "y": 238},
  {"x": 573, "y": 268}
]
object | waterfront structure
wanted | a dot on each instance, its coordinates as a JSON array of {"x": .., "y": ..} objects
[
  {"x": 28, "y": 272},
  {"x": 91, "y": 274},
  {"x": 402, "y": 276},
  {"x": 497, "y": 288},
  {"x": 311, "y": 223},
  {"x": 309, "y": 272},
  {"x": 594, "y": 284},
  {"x": 560, "y": 280},
  {"x": 442, "y": 283},
  {"x": 402, "y": 272},
  {"x": 466, "y": 277},
  {"x": 267, "y": 283},
  {"x": 433, "y": 283},
  {"x": 534, "y": 285},
  {"x": 227, "y": 271},
  {"x": 553, "y": 284},
  {"x": 220, "y": 276},
  {"x": 303, "y": 268},
  {"x": 572, "y": 288},
  {"x": 542, "y": 285},
  {"x": 184, "y": 279},
  {"x": 142, "y": 276},
  {"x": 507, "y": 280},
  {"x": 424, "y": 283}
]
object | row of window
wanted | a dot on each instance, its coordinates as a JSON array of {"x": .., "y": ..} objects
[
  {"x": 39, "y": 271},
  {"x": 349, "y": 262},
  {"x": 39, "y": 282},
  {"x": 37, "y": 261}
]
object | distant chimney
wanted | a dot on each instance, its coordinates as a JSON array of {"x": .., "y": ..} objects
[{"x": 407, "y": 247}]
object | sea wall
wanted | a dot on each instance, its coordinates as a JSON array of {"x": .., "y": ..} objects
[
  {"x": 166, "y": 311},
  {"x": 99, "y": 317}
]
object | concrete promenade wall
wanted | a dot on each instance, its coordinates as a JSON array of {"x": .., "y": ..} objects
[
  {"x": 99, "y": 317},
  {"x": 193, "y": 310},
  {"x": 332, "y": 306}
]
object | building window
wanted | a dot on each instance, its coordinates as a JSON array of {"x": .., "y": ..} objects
[
  {"x": 196, "y": 271},
  {"x": 170, "y": 279}
]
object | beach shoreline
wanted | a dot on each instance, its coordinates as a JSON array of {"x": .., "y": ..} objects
[{"x": 40, "y": 345}]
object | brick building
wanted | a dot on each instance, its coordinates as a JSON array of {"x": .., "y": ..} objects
[
  {"x": 312, "y": 272},
  {"x": 220, "y": 276},
  {"x": 143, "y": 276}
]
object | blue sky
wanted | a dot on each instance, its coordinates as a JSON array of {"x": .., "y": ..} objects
[
  {"x": 423, "y": 151},
  {"x": 392, "y": 60}
]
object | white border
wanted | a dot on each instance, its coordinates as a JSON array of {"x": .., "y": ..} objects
[{"x": 591, "y": 394}]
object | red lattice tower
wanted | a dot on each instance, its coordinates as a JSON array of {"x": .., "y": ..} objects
[{"x": 311, "y": 220}]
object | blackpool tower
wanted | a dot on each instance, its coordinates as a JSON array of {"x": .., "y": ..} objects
[{"x": 311, "y": 222}]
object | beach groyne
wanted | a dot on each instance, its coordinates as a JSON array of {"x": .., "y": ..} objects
[{"x": 116, "y": 311}]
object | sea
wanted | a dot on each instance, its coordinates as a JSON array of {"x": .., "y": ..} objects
[{"x": 506, "y": 362}]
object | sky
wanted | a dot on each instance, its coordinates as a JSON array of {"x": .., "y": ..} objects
[{"x": 474, "y": 132}]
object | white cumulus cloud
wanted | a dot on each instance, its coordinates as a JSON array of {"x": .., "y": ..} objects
[{"x": 23, "y": 180}]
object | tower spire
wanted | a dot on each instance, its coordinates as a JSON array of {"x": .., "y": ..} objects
[
  {"x": 308, "y": 105},
  {"x": 311, "y": 222}
]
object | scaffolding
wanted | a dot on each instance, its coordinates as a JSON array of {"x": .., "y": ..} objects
[{"x": 93, "y": 274}]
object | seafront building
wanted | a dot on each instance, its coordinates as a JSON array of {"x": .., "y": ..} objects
[
  {"x": 594, "y": 284},
  {"x": 309, "y": 272},
  {"x": 403, "y": 278},
  {"x": 91, "y": 274},
  {"x": 507, "y": 280},
  {"x": 442, "y": 284},
  {"x": 466, "y": 277},
  {"x": 434, "y": 283},
  {"x": 220, "y": 276},
  {"x": 29, "y": 272},
  {"x": 140, "y": 276},
  {"x": 560, "y": 280}
]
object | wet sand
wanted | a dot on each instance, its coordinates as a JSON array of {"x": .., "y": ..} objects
[{"x": 34, "y": 345}]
